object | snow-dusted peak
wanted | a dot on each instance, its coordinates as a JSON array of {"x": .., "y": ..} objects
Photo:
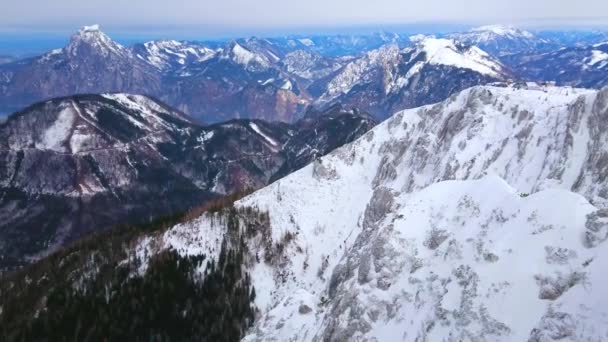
[
  {"x": 94, "y": 40},
  {"x": 448, "y": 52},
  {"x": 243, "y": 56}
]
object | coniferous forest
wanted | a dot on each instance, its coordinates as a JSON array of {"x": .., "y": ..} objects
[{"x": 176, "y": 298}]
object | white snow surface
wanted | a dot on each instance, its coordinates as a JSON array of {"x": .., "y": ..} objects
[
  {"x": 466, "y": 220},
  {"x": 257, "y": 129},
  {"x": 598, "y": 58},
  {"x": 55, "y": 137},
  {"x": 445, "y": 52}
]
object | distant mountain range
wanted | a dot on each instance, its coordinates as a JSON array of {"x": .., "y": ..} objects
[
  {"x": 79, "y": 164},
  {"x": 500, "y": 40},
  {"x": 580, "y": 66},
  {"x": 277, "y": 79}
]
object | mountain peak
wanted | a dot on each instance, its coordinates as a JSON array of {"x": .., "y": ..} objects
[
  {"x": 453, "y": 53},
  {"x": 244, "y": 56},
  {"x": 93, "y": 37}
]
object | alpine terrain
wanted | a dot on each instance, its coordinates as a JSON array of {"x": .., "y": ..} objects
[
  {"x": 390, "y": 79},
  {"x": 80, "y": 164},
  {"x": 481, "y": 217}
]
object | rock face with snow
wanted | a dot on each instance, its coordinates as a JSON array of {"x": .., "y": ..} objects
[
  {"x": 501, "y": 40},
  {"x": 580, "y": 66},
  {"x": 238, "y": 82},
  {"x": 482, "y": 217},
  {"x": 74, "y": 165},
  {"x": 390, "y": 79}
]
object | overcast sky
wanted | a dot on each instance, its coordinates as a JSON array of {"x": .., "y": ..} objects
[{"x": 226, "y": 16}]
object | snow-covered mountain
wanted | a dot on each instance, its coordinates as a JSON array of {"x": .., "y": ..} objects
[
  {"x": 482, "y": 217},
  {"x": 390, "y": 79},
  {"x": 500, "y": 40},
  {"x": 76, "y": 165},
  {"x": 581, "y": 66},
  {"x": 406, "y": 234}
]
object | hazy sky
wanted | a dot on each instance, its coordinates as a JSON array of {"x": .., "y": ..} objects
[{"x": 224, "y": 16}]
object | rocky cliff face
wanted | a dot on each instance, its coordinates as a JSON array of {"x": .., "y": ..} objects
[{"x": 80, "y": 164}]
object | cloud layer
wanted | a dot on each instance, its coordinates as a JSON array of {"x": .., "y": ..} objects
[{"x": 268, "y": 14}]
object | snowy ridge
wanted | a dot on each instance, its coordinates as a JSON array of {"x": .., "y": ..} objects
[
  {"x": 167, "y": 54},
  {"x": 243, "y": 56},
  {"x": 392, "y": 255},
  {"x": 406, "y": 233},
  {"x": 445, "y": 52}
]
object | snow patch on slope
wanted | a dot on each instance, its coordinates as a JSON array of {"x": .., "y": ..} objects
[
  {"x": 597, "y": 56},
  {"x": 58, "y": 133},
  {"x": 265, "y": 136}
]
